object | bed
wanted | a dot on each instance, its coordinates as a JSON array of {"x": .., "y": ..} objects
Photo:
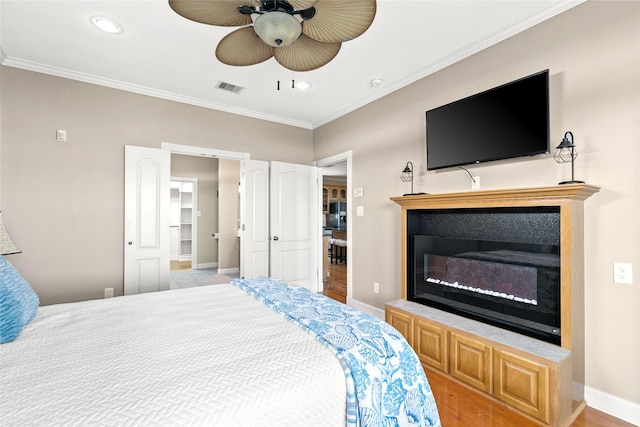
[{"x": 247, "y": 353}]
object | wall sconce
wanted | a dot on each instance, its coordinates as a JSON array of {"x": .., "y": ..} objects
[
  {"x": 407, "y": 176},
  {"x": 566, "y": 152},
  {"x": 7, "y": 246}
]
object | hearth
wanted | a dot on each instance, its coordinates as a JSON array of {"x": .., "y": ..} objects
[{"x": 497, "y": 265}]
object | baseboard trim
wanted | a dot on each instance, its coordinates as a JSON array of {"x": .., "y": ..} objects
[
  {"x": 366, "y": 308},
  {"x": 229, "y": 270},
  {"x": 207, "y": 265},
  {"x": 612, "y": 405}
]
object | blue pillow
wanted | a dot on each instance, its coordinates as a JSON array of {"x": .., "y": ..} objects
[{"x": 18, "y": 302}]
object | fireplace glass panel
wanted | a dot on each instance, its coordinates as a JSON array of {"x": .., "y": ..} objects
[{"x": 513, "y": 283}]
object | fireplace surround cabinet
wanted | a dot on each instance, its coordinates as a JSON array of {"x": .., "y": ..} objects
[{"x": 541, "y": 380}]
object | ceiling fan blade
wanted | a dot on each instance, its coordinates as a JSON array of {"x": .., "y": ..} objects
[
  {"x": 243, "y": 47},
  {"x": 302, "y": 4},
  {"x": 339, "y": 20},
  {"x": 306, "y": 54},
  {"x": 213, "y": 12}
]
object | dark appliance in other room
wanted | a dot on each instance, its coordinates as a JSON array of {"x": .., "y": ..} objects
[{"x": 337, "y": 216}]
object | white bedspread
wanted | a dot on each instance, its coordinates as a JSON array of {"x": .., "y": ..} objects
[{"x": 200, "y": 356}]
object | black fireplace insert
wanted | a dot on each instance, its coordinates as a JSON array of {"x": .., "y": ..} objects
[{"x": 497, "y": 265}]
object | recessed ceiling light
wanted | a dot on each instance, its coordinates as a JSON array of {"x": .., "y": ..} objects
[
  {"x": 302, "y": 84},
  {"x": 376, "y": 82},
  {"x": 105, "y": 24}
]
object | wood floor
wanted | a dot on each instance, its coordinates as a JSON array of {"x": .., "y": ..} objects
[
  {"x": 460, "y": 406},
  {"x": 180, "y": 265},
  {"x": 336, "y": 285}
]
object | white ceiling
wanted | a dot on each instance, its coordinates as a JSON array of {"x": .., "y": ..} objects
[{"x": 162, "y": 54}]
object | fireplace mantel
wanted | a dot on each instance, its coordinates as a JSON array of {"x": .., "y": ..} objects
[
  {"x": 552, "y": 391},
  {"x": 542, "y": 196}
]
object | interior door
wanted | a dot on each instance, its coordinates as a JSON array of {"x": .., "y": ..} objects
[
  {"x": 254, "y": 217},
  {"x": 146, "y": 209},
  {"x": 295, "y": 224}
]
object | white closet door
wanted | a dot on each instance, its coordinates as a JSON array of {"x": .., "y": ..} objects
[
  {"x": 281, "y": 224},
  {"x": 295, "y": 224},
  {"x": 146, "y": 237},
  {"x": 254, "y": 217}
]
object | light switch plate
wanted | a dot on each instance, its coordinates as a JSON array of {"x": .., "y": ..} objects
[
  {"x": 359, "y": 210},
  {"x": 358, "y": 192},
  {"x": 61, "y": 135}
]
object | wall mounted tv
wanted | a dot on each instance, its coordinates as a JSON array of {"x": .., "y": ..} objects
[{"x": 505, "y": 122}]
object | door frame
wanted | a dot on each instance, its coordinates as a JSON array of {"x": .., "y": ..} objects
[
  {"x": 191, "y": 150},
  {"x": 332, "y": 160},
  {"x": 235, "y": 155}
]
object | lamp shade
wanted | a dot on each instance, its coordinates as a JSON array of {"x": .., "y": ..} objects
[
  {"x": 407, "y": 173},
  {"x": 6, "y": 244},
  {"x": 566, "y": 151},
  {"x": 277, "y": 29}
]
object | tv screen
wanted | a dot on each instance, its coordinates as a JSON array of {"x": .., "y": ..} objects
[{"x": 505, "y": 122}]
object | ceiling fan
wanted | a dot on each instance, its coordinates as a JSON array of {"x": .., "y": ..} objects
[{"x": 301, "y": 35}]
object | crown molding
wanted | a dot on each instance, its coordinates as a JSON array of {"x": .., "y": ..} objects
[{"x": 142, "y": 90}]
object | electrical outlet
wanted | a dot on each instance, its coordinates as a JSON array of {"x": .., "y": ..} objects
[
  {"x": 108, "y": 293},
  {"x": 622, "y": 273},
  {"x": 475, "y": 184},
  {"x": 376, "y": 287}
]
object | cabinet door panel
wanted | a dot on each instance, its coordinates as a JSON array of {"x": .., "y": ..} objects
[
  {"x": 430, "y": 343},
  {"x": 471, "y": 362},
  {"x": 522, "y": 384},
  {"x": 402, "y": 322}
]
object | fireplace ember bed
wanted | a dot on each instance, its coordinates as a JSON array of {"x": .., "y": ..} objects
[{"x": 493, "y": 294}]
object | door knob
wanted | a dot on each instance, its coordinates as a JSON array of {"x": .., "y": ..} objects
[
  {"x": 130, "y": 243},
  {"x": 275, "y": 237}
]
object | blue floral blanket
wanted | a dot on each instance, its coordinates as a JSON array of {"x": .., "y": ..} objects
[{"x": 386, "y": 385}]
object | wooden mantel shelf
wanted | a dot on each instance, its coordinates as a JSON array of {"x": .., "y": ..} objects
[{"x": 523, "y": 196}]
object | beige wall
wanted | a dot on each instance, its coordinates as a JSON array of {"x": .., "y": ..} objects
[
  {"x": 63, "y": 201},
  {"x": 205, "y": 170},
  {"x": 593, "y": 54},
  {"x": 229, "y": 215}
]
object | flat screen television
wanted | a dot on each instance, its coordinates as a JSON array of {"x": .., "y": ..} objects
[{"x": 505, "y": 122}]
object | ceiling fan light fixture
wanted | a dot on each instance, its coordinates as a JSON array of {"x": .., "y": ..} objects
[{"x": 277, "y": 29}]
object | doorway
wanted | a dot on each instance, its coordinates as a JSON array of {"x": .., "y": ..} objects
[
  {"x": 183, "y": 223},
  {"x": 215, "y": 241},
  {"x": 337, "y": 270},
  {"x": 148, "y": 206}
]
